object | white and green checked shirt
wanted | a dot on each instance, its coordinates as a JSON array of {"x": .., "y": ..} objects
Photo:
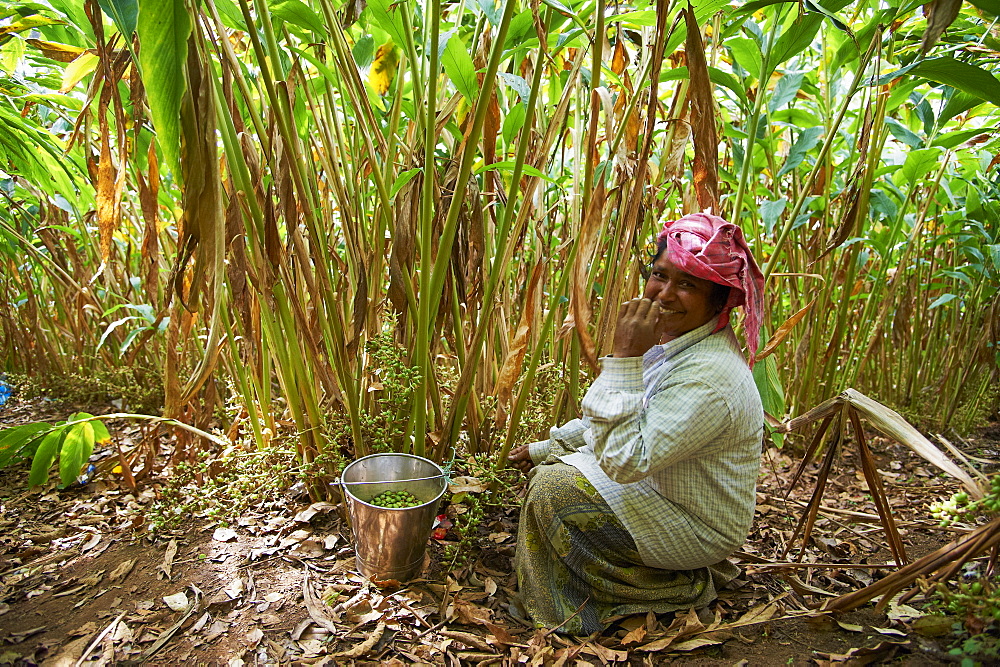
[{"x": 672, "y": 443}]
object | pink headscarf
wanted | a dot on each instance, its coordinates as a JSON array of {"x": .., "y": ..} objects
[{"x": 708, "y": 247}]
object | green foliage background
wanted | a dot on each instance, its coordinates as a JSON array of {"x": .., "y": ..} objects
[{"x": 486, "y": 178}]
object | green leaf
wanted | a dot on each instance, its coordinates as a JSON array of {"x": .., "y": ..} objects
[
  {"x": 389, "y": 20},
  {"x": 15, "y": 441},
  {"x": 402, "y": 179},
  {"x": 513, "y": 122},
  {"x": 164, "y": 27},
  {"x": 77, "y": 446},
  {"x": 941, "y": 300},
  {"x": 952, "y": 139},
  {"x": 645, "y": 17},
  {"x": 231, "y": 15},
  {"x": 988, "y": 6},
  {"x": 807, "y": 140},
  {"x": 37, "y": 154},
  {"x": 364, "y": 51},
  {"x": 849, "y": 50},
  {"x": 458, "y": 66},
  {"x": 74, "y": 12},
  {"x": 726, "y": 80},
  {"x": 785, "y": 90},
  {"x": 900, "y": 93},
  {"x": 815, "y": 7},
  {"x": 749, "y": 8},
  {"x": 521, "y": 27},
  {"x": 493, "y": 13},
  {"x": 747, "y": 54},
  {"x": 903, "y": 133},
  {"x": 994, "y": 251},
  {"x": 318, "y": 64},
  {"x": 114, "y": 325},
  {"x": 101, "y": 434},
  {"x": 963, "y": 76},
  {"x": 517, "y": 83},
  {"x": 130, "y": 338},
  {"x": 123, "y": 14},
  {"x": 559, "y": 7},
  {"x": 508, "y": 165},
  {"x": 916, "y": 166},
  {"x": 770, "y": 211},
  {"x": 959, "y": 102},
  {"x": 795, "y": 39},
  {"x": 46, "y": 453},
  {"x": 298, "y": 13},
  {"x": 28, "y": 23},
  {"x": 772, "y": 395}
]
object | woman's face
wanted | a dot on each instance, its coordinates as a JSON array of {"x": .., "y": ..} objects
[{"x": 685, "y": 299}]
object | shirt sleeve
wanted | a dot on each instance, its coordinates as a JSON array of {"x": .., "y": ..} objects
[
  {"x": 682, "y": 419},
  {"x": 569, "y": 437},
  {"x": 538, "y": 451}
]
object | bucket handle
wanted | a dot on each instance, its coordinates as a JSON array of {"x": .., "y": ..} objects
[{"x": 341, "y": 482}]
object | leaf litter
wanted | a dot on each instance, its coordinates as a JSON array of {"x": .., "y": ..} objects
[{"x": 278, "y": 584}]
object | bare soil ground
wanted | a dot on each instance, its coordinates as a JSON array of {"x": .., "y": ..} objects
[{"x": 83, "y": 582}]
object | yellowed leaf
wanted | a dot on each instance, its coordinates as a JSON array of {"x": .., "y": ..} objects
[
  {"x": 76, "y": 70},
  {"x": 384, "y": 67},
  {"x": 64, "y": 53}
]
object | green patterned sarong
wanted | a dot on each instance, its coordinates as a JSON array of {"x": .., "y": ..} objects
[{"x": 573, "y": 553}]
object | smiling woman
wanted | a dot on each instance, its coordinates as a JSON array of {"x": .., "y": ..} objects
[{"x": 635, "y": 507}]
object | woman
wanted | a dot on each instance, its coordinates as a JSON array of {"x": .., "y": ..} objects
[{"x": 635, "y": 507}]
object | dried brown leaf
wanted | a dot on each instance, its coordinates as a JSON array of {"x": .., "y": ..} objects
[
  {"x": 706, "y": 138},
  {"x": 466, "y": 485},
  {"x": 672, "y": 165},
  {"x": 695, "y": 644},
  {"x": 319, "y": 612},
  {"x": 308, "y": 513},
  {"x": 361, "y": 648},
  {"x": 635, "y": 636},
  {"x": 164, "y": 569},
  {"x": 936, "y": 625},
  {"x": 501, "y": 634},
  {"x": 856, "y": 657},
  {"x": 620, "y": 58},
  {"x": 759, "y": 614},
  {"x": 224, "y": 535},
  {"x": 580, "y": 310},
  {"x": 467, "y": 613},
  {"x": 940, "y": 15},
  {"x": 108, "y": 217},
  {"x": 784, "y": 330},
  {"x": 469, "y": 639},
  {"x": 511, "y": 368}
]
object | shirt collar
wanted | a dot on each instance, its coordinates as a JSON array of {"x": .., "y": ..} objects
[{"x": 664, "y": 351}]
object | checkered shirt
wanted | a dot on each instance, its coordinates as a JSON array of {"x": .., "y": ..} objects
[{"x": 672, "y": 442}]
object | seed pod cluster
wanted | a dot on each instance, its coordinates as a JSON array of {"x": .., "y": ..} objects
[{"x": 395, "y": 499}]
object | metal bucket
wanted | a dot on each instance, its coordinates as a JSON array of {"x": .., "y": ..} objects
[{"x": 390, "y": 542}]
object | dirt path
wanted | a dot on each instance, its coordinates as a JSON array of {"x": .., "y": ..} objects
[{"x": 81, "y": 578}]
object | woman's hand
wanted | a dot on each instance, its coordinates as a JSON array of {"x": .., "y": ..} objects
[
  {"x": 520, "y": 459},
  {"x": 638, "y": 327}
]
